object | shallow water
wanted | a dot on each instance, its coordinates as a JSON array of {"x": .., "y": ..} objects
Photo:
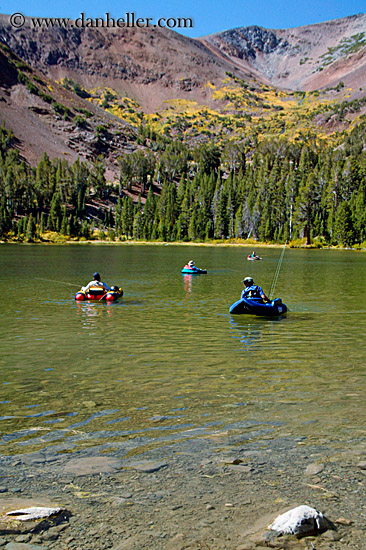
[{"x": 167, "y": 362}]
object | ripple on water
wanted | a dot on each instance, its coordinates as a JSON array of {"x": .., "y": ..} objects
[{"x": 170, "y": 339}]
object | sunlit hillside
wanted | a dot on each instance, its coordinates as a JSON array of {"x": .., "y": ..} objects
[{"x": 243, "y": 110}]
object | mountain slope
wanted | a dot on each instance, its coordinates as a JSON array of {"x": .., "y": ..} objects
[
  {"x": 242, "y": 83},
  {"x": 302, "y": 58},
  {"x": 147, "y": 64},
  {"x": 151, "y": 65},
  {"x": 46, "y": 117}
]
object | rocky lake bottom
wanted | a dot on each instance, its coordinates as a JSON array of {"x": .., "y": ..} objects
[{"x": 207, "y": 496}]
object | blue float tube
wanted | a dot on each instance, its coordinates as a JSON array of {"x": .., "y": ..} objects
[
  {"x": 194, "y": 270},
  {"x": 257, "y": 307}
]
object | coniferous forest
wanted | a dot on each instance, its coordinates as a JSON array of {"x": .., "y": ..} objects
[{"x": 271, "y": 191}]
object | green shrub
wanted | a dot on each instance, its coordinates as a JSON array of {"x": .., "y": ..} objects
[
  {"x": 80, "y": 121},
  {"x": 32, "y": 87}
]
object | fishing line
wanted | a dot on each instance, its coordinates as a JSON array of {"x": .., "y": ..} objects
[
  {"x": 273, "y": 286},
  {"x": 328, "y": 312},
  {"x": 58, "y": 282}
]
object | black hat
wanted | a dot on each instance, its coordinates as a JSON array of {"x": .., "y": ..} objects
[{"x": 96, "y": 276}]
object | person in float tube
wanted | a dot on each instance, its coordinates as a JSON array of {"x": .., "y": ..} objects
[
  {"x": 96, "y": 282},
  {"x": 190, "y": 265},
  {"x": 253, "y": 291}
]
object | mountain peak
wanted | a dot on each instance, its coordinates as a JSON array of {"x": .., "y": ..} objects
[
  {"x": 295, "y": 58},
  {"x": 243, "y": 81}
]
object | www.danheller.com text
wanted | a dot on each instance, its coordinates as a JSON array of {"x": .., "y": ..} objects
[{"x": 129, "y": 20}]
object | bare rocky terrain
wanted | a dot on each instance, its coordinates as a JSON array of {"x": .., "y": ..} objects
[
  {"x": 39, "y": 128},
  {"x": 302, "y": 58},
  {"x": 153, "y": 66},
  {"x": 150, "y": 65}
]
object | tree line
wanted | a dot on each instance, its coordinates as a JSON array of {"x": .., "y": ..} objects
[{"x": 273, "y": 191}]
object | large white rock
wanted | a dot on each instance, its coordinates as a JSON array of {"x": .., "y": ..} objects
[
  {"x": 301, "y": 520},
  {"x": 35, "y": 512}
]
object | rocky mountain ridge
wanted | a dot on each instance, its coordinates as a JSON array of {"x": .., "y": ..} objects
[
  {"x": 146, "y": 64},
  {"x": 151, "y": 64},
  {"x": 301, "y": 58},
  {"x": 237, "y": 83}
]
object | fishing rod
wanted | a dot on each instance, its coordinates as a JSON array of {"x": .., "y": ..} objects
[
  {"x": 58, "y": 282},
  {"x": 273, "y": 286}
]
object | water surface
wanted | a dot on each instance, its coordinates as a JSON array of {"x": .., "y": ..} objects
[{"x": 167, "y": 362}]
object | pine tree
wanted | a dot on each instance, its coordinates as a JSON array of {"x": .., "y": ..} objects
[
  {"x": 138, "y": 221},
  {"x": 31, "y": 229},
  {"x": 149, "y": 214},
  {"x": 19, "y": 229},
  {"x": 305, "y": 206},
  {"x": 97, "y": 179},
  {"x": 127, "y": 216},
  {"x": 64, "y": 222},
  {"x": 54, "y": 218},
  {"x": 208, "y": 156},
  {"x": 343, "y": 225},
  {"x": 5, "y": 220}
]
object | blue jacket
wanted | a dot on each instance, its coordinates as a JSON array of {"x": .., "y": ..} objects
[{"x": 253, "y": 291}]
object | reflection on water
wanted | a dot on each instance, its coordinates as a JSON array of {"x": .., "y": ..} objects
[
  {"x": 187, "y": 283},
  {"x": 167, "y": 363},
  {"x": 249, "y": 329},
  {"x": 190, "y": 280},
  {"x": 91, "y": 309}
]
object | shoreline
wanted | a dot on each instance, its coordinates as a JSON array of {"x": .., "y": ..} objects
[{"x": 244, "y": 244}]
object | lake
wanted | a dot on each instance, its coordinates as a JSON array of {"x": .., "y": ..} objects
[{"x": 168, "y": 362}]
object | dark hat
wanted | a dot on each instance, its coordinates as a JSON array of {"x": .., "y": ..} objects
[{"x": 96, "y": 276}]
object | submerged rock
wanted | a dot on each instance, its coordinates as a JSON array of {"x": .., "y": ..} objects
[
  {"x": 22, "y": 546},
  {"x": 92, "y": 465},
  {"x": 149, "y": 467},
  {"x": 314, "y": 469},
  {"x": 301, "y": 521}
]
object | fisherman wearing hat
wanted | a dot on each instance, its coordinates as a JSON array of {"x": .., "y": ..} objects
[
  {"x": 253, "y": 291},
  {"x": 96, "y": 282},
  {"x": 190, "y": 265}
]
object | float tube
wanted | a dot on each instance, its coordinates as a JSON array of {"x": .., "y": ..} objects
[
  {"x": 98, "y": 294},
  {"x": 258, "y": 307},
  {"x": 193, "y": 270},
  {"x": 253, "y": 258}
]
